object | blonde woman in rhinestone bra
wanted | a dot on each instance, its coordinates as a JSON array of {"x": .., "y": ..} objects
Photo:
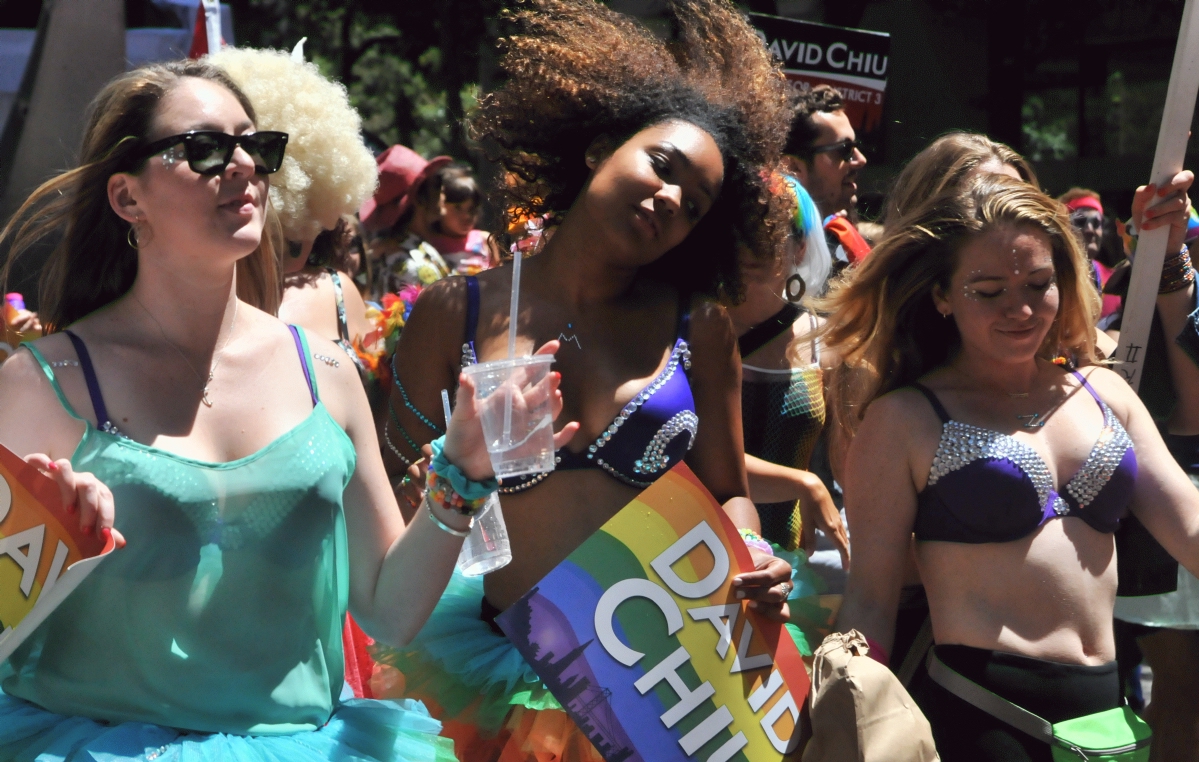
[{"x": 1012, "y": 468}]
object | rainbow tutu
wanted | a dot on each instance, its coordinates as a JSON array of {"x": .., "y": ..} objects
[{"x": 491, "y": 702}]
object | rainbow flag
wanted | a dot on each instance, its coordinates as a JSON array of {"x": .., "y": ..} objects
[
  {"x": 43, "y": 554},
  {"x": 640, "y": 637}
]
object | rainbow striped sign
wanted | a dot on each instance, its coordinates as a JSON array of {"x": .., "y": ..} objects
[
  {"x": 639, "y": 636},
  {"x": 43, "y": 555}
]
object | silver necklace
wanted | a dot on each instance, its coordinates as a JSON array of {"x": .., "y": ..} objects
[
  {"x": 1037, "y": 420},
  {"x": 218, "y": 355},
  {"x": 573, "y": 338}
]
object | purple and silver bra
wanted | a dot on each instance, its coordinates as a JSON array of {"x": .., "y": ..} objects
[
  {"x": 651, "y": 434},
  {"x": 985, "y": 486}
]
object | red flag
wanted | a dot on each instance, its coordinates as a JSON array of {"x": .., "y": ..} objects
[
  {"x": 199, "y": 35},
  {"x": 206, "y": 36}
]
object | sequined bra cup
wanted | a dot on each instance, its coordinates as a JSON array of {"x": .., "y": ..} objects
[
  {"x": 985, "y": 486},
  {"x": 651, "y": 434}
]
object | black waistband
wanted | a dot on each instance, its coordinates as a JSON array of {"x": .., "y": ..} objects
[{"x": 1052, "y": 690}]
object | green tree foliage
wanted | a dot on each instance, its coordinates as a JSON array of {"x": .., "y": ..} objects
[{"x": 412, "y": 67}]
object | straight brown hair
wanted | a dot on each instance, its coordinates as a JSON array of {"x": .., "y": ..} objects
[{"x": 94, "y": 264}]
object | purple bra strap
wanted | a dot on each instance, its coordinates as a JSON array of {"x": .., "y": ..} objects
[
  {"x": 1087, "y": 385},
  {"x": 93, "y": 384},
  {"x": 472, "y": 311},
  {"x": 295, "y": 334}
]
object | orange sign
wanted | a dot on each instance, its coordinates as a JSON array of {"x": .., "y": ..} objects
[{"x": 43, "y": 553}]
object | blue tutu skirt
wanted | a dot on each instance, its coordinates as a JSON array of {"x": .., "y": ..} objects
[{"x": 359, "y": 730}]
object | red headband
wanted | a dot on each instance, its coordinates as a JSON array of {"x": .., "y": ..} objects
[{"x": 1085, "y": 202}]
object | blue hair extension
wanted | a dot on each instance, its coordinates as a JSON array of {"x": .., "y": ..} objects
[{"x": 817, "y": 261}]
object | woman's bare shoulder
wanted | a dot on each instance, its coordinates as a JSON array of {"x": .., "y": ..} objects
[
  {"x": 1112, "y": 388},
  {"x": 901, "y": 420},
  {"x": 32, "y": 418},
  {"x": 710, "y": 329},
  {"x": 446, "y": 296}
]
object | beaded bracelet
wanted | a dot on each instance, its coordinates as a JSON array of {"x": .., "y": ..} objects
[
  {"x": 442, "y": 525},
  {"x": 1177, "y": 272},
  {"x": 451, "y": 488},
  {"x": 754, "y": 540},
  {"x": 439, "y": 489}
]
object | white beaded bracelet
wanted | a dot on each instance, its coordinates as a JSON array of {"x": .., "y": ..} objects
[{"x": 442, "y": 525}]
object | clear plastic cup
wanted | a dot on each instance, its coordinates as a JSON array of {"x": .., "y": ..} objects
[
  {"x": 519, "y": 430},
  {"x": 487, "y": 547}
]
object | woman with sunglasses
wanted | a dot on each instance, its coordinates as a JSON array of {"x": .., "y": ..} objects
[{"x": 240, "y": 474}]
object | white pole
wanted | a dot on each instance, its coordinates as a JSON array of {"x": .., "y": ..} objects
[
  {"x": 1141, "y": 301},
  {"x": 212, "y": 25}
]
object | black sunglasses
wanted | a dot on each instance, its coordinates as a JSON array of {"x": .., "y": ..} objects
[
  {"x": 843, "y": 149},
  {"x": 209, "y": 152}
]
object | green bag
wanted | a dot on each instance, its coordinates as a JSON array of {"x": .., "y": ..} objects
[{"x": 1116, "y": 735}]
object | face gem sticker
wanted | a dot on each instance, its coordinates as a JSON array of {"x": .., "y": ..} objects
[{"x": 968, "y": 290}]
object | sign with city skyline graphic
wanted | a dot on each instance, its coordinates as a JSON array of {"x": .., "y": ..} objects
[{"x": 640, "y": 637}]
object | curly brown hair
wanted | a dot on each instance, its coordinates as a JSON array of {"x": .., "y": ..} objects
[{"x": 578, "y": 71}]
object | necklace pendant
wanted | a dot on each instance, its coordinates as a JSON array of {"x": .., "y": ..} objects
[
  {"x": 573, "y": 338},
  {"x": 1034, "y": 421}
]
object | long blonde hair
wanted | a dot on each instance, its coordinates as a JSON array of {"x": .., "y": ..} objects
[
  {"x": 944, "y": 165},
  {"x": 882, "y": 321},
  {"x": 94, "y": 264}
]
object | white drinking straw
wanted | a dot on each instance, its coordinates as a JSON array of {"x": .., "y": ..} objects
[{"x": 514, "y": 306}]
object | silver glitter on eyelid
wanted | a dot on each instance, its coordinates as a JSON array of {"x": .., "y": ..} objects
[
  {"x": 968, "y": 291},
  {"x": 172, "y": 155}
]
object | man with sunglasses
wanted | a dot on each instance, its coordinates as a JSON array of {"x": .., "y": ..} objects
[{"x": 822, "y": 152}]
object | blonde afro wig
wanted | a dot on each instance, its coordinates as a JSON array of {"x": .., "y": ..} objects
[{"x": 328, "y": 171}]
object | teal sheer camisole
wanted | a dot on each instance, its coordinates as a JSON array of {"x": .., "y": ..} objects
[{"x": 224, "y": 612}]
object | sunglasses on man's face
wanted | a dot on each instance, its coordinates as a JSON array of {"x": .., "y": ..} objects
[
  {"x": 843, "y": 149},
  {"x": 209, "y": 152}
]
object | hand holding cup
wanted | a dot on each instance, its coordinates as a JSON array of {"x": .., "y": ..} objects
[{"x": 466, "y": 445}]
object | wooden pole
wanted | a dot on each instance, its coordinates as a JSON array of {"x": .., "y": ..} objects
[{"x": 1141, "y": 301}]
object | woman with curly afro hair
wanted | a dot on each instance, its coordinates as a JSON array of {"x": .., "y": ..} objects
[{"x": 650, "y": 161}]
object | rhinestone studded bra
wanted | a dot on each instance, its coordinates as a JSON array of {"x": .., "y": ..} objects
[
  {"x": 985, "y": 486},
  {"x": 649, "y": 435}
]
